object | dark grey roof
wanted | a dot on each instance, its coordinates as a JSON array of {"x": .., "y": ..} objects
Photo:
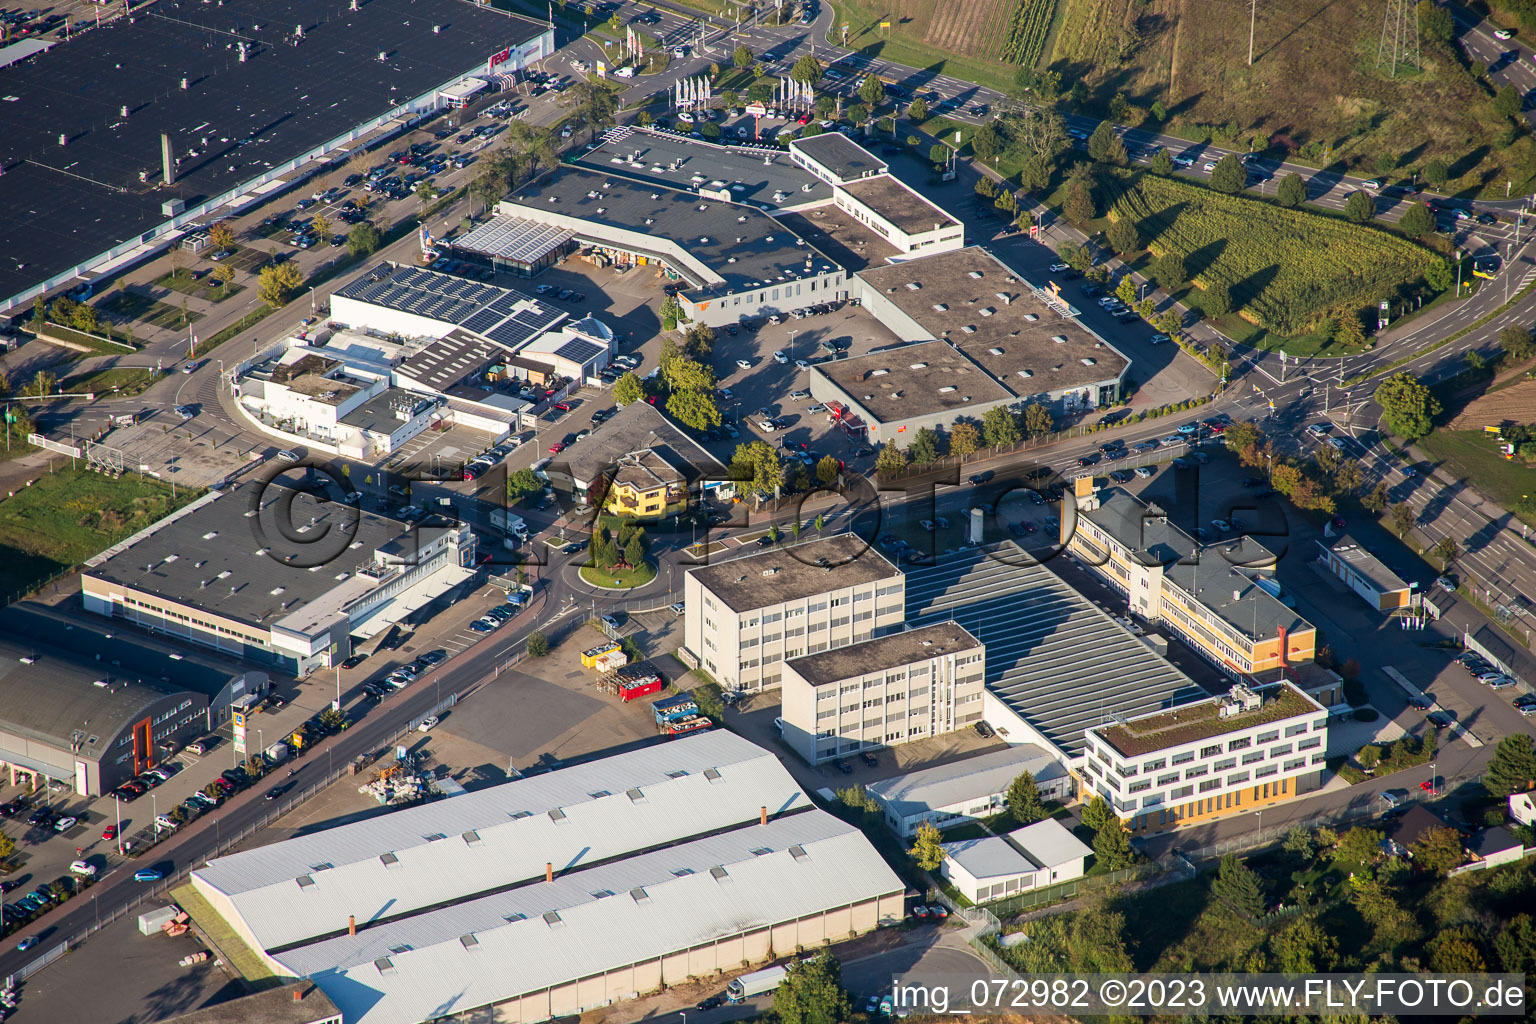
[
  {"x": 910, "y": 381},
  {"x": 451, "y": 358},
  {"x": 219, "y": 559},
  {"x": 898, "y": 203},
  {"x": 1412, "y": 826},
  {"x": 840, "y": 155},
  {"x": 741, "y": 245},
  {"x": 1219, "y": 576},
  {"x": 409, "y": 289},
  {"x": 236, "y": 121},
  {"x": 886, "y": 652},
  {"x": 752, "y": 174},
  {"x": 634, "y": 427},
  {"x": 791, "y": 572},
  {"x": 54, "y": 698},
  {"x": 378, "y": 413},
  {"x": 1489, "y": 841},
  {"x": 271, "y": 1006},
  {"x": 1358, "y": 557},
  {"x": 1057, "y": 661}
]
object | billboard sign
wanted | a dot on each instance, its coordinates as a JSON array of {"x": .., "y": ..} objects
[{"x": 239, "y": 732}]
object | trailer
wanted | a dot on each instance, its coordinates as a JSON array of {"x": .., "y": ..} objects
[{"x": 673, "y": 708}]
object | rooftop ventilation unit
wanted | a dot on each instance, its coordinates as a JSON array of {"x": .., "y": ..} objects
[
  {"x": 917, "y": 366},
  {"x": 1060, "y": 339},
  {"x": 1030, "y": 318},
  {"x": 913, "y": 286},
  {"x": 941, "y": 307},
  {"x": 975, "y": 274}
]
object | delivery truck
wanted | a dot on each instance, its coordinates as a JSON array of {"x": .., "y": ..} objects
[{"x": 754, "y": 984}]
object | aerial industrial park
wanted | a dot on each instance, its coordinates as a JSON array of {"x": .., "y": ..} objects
[{"x": 621, "y": 511}]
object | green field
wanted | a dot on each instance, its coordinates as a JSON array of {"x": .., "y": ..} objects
[
  {"x": 70, "y": 515},
  {"x": 945, "y": 39},
  {"x": 1470, "y": 456},
  {"x": 1287, "y": 270},
  {"x": 125, "y": 305},
  {"x": 204, "y": 287},
  {"x": 121, "y": 380}
]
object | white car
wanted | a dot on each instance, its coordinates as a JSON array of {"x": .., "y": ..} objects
[
  {"x": 818, "y": 407},
  {"x": 64, "y": 824},
  {"x": 624, "y": 73},
  {"x": 1502, "y": 33},
  {"x": 83, "y": 868},
  {"x": 780, "y": 356},
  {"x": 1371, "y": 185},
  {"x": 744, "y": 364},
  {"x": 802, "y": 364},
  {"x": 680, "y": 52},
  {"x": 685, "y": 117},
  {"x": 1210, "y": 165},
  {"x": 799, "y": 396},
  {"x": 427, "y": 724},
  {"x": 1058, "y": 267},
  {"x": 1173, "y": 439},
  {"x": 1336, "y": 443},
  {"x": 1183, "y": 161}
]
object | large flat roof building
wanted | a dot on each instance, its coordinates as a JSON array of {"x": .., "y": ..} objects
[
  {"x": 925, "y": 682},
  {"x": 558, "y": 893},
  {"x": 244, "y": 93},
  {"x": 760, "y": 176},
  {"x": 225, "y": 572},
  {"x": 835, "y": 158},
  {"x": 958, "y": 792},
  {"x": 746, "y": 616}
]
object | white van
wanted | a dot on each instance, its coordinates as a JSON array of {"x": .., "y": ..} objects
[{"x": 539, "y": 468}]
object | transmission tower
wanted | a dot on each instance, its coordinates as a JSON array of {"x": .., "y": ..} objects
[{"x": 1399, "y": 37}]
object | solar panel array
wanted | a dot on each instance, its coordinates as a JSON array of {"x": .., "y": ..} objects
[
  {"x": 578, "y": 350},
  {"x": 516, "y": 239},
  {"x": 440, "y": 297}
]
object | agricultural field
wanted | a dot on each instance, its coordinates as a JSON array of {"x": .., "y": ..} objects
[
  {"x": 1313, "y": 82},
  {"x": 1473, "y": 458},
  {"x": 1287, "y": 270},
  {"x": 978, "y": 40}
]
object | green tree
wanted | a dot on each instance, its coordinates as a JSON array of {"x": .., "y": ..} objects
[
  {"x": 1360, "y": 206},
  {"x": 1408, "y": 407},
  {"x": 858, "y": 113},
  {"x": 364, "y": 239},
  {"x": 1079, "y": 205},
  {"x": 1512, "y": 769},
  {"x": 1303, "y": 947},
  {"x": 593, "y": 104},
  {"x": 986, "y": 187},
  {"x": 1169, "y": 271},
  {"x": 1171, "y": 322},
  {"x": 1435, "y": 22},
  {"x": 1401, "y": 518},
  {"x": 1096, "y": 814},
  {"x": 276, "y": 285},
  {"x": 224, "y": 273},
  {"x": 1517, "y": 343},
  {"x": 1239, "y": 886},
  {"x": 694, "y": 408},
  {"x": 7, "y": 848},
  {"x": 1023, "y": 800},
  {"x": 1417, "y": 221},
  {"x": 1000, "y": 428},
  {"x": 1125, "y": 291},
  {"x": 826, "y": 469},
  {"x": 918, "y": 111},
  {"x": 1506, "y": 102},
  {"x": 1230, "y": 176},
  {"x": 522, "y": 484},
  {"x": 938, "y": 153},
  {"x": 1359, "y": 846},
  {"x": 1075, "y": 256},
  {"x": 1437, "y": 851},
  {"x": 1034, "y": 173},
  {"x": 635, "y": 550},
  {"x": 742, "y": 57},
  {"x": 1112, "y": 847},
  {"x": 1446, "y": 551},
  {"x": 964, "y": 438},
  {"x": 1515, "y": 945},
  {"x": 757, "y": 466},
  {"x": 812, "y": 992},
  {"x": 1162, "y": 162},
  {"x": 629, "y": 388},
  {"x": 1456, "y": 951},
  {"x": 924, "y": 448},
  {"x": 926, "y": 847},
  {"x": 1100, "y": 141},
  {"x": 683, "y": 373},
  {"x": 1216, "y": 300},
  {"x": 1038, "y": 420},
  {"x": 1436, "y": 172},
  {"x": 1123, "y": 236},
  {"x": 538, "y": 644},
  {"x": 891, "y": 459},
  {"x": 872, "y": 91},
  {"x": 1292, "y": 191},
  {"x": 985, "y": 142},
  {"x": 807, "y": 70},
  {"x": 1377, "y": 499}
]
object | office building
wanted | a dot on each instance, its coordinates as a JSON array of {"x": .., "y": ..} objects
[
  {"x": 1234, "y": 754},
  {"x": 1364, "y": 573},
  {"x": 745, "y": 617},
  {"x": 1029, "y": 858},
  {"x": 1212, "y": 596},
  {"x": 959, "y": 792},
  {"x": 883, "y": 692}
]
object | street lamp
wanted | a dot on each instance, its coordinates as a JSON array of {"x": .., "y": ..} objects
[{"x": 1260, "y": 815}]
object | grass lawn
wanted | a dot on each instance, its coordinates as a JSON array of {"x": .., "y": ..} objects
[
  {"x": 863, "y": 18},
  {"x": 126, "y": 305},
  {"x": 204, "y": 287},
  {"x": 1474, "y": 460},
  {"x": 123, "y": 381},
  {"x": 68, "y": 516},
  {"x": 619, "y": 579}
]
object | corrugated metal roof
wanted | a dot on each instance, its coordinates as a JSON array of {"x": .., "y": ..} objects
[
  {"x": 945, "y": 785},
  {"x": 579, "y": 815},
  {"x": 470, "y": 956}
]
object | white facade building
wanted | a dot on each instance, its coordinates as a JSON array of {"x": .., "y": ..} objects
[
  {"x": 1226, "y": 755},
  {"x": 746, "y": 616},
  {"x": 1028, "y": 858},
  {"x": 883, "y": 692},
  {"x": 953, "y": 794}
]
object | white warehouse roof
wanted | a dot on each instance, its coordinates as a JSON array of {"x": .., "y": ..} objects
[
  {"x": 945, "y": 785},
  {"x": 546, "y": 934},
  {"x": 302, "y": 888}
]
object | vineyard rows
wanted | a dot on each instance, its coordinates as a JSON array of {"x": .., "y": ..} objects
[
  {"x": 1286, "y": 270},
  {"x": 1027, "y": 29}
]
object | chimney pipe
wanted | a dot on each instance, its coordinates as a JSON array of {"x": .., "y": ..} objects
[
  {"x": 762, "y": 815},
  {"x": 549, "y": 871},
  {"x": 352, "y": 925},
  {"x": 298, "y": 995},
  {"x": 1282, "y": 647}
]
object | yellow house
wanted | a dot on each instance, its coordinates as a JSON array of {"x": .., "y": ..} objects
[{"x": 644, "y": 485}]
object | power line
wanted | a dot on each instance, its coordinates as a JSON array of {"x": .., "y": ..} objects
[{"x": 1400, "y": 35}]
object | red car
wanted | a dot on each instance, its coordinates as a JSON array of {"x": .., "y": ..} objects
[
  {"x": 563, "y": 406},
  {"x": 110, "y": 833},
  {"x": 557, "y": 448}
]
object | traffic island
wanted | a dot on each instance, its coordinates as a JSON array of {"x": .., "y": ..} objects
[{"x": 619, "y": 578}]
